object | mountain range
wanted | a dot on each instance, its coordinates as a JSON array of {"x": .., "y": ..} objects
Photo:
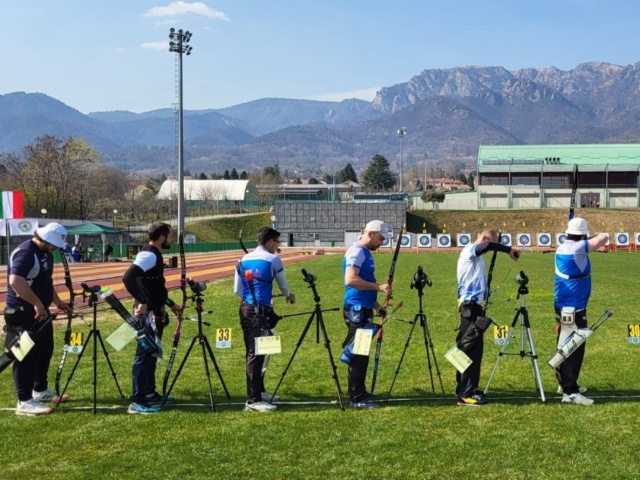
[{"x": 447, "y": 113}]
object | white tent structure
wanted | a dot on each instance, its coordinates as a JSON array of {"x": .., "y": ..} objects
[{"x": 209, "y": 190}]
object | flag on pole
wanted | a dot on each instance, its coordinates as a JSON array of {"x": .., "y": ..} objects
[
  {"x": 12, "y": 205},
  {"x": 24, "y": 226}
]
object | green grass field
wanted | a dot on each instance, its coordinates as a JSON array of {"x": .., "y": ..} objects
[{"x": 416, "y": 435}]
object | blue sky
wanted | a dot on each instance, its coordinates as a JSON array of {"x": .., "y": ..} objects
[{"x": 101, "y": 55}]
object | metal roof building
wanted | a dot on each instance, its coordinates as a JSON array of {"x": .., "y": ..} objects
[{"x": 541, "y": 176}]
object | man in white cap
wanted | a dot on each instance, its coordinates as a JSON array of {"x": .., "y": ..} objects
[
  {"x": 360, "y": 303},
  {"x": 29, "y": 293},
  {"x": 572, "y": 291}
]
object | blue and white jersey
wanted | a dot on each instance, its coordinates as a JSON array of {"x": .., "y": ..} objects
[
  {"x": 265, "y": 268},
  {"x": 573, "y": 274},
  {"x": 360, "y": 257},
  {"x": 472, "y": 284}
]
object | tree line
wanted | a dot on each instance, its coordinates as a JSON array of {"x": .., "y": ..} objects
[{"x": 68, "y": 179}]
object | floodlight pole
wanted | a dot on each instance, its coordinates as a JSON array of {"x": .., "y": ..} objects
[
  {"x": 178, "y": 44},
  {"x": 402, "y": 131}
]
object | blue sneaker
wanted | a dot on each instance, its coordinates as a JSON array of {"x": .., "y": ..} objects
[
  {"x": 156, "y": 399},
  {"x": 141, "y": 409}
]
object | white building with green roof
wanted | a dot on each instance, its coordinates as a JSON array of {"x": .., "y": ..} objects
[{"x": 542, "y": 176}]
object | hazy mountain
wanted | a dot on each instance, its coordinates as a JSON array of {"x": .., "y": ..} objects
[{"x": 447, "y": 112}]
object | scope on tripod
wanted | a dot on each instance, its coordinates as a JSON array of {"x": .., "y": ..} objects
[
  {"x": 308, "y": 277},
  {"x": 521, "y": 279},
  {"x": 196, "y": 287},
  {"x": 420, "y": 279}
]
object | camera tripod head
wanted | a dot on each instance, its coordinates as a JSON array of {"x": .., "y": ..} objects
[
  {"x": 91, "y": 292},
  {"x": 311, "y": 280},
  {"x": 523, "y": 281},
  {"x": 420, "y": 279}
]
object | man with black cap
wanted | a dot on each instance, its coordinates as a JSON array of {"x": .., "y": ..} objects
[
  {"x": 360, "y": 303},
  {"x": 29, "y": 293},
  {"x": 572, "y": 292}
]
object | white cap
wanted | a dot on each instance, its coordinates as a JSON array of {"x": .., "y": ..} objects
[
  {"x": 577, "y": 226},
  {"x": 378, "y": 226},
  {"x": 53, "y": 233}
]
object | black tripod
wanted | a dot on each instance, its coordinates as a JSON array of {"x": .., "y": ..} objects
[
  {"x": 420, "y": 280},
  {"x": 97, "y": 337},
  {"x": 317, "y": 314},
  {"x": 523, "y": 316},
  {"x": 201, "y": 338}
]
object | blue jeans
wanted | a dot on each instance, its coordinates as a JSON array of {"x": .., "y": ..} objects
[{"x": 143, "y": 373}]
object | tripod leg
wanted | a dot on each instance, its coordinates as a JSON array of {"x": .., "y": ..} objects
[
  {"x": 175, "y": 379},
  {"x": 404, "y": 350},
  {"x": 327, "y": 345},
  {"x": 202, "y": 341},
  {"x": 80, "y": 355},
  {"x": 502, "y": 350},
  {"x": 106, "y": 355},
  {"x": 534, "y": 358},
  {"x": 304, "y": 333},
  {"x": 428, "y": 345},
  {"x": 215, "y": 364}
]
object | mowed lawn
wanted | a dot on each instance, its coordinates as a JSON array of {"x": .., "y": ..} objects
[{"x": 417, "y": 434}]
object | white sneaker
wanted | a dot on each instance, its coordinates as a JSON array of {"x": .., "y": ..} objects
[
  {"x": 267, "y": 397},
  {"x": 32, "y": 408},
  {"x": 576, "y": 398},
  {"x": 49, "y": 396},
  {"x": 260, "y": 407},
  {"x": 582, "y": 389}
]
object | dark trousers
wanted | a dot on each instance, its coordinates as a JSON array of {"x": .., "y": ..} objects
[
  {"x": 251, "y": 330},
  {"x": 143, "y": 373},
  {"x": 31, "y": 373},
  {"x": 357, "y": 368},
  {"x": 467, "y": 382},
  {"x": 569, "y": 370}
]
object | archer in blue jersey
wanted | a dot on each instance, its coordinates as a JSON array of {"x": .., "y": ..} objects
[
  {"x": 360, "y": 302},
  {"x": 573, "y": 289},
  {"x": 254, "y": 279}
]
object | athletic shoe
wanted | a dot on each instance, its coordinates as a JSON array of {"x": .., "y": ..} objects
[
  {"x": 156, "y": 399},
  {"x": 268, "y": 397},
  {"x": 364, "y": 405},
  {"x": 49, "y": 396},
  {"x": 582, "y": 389},
  {"x": 474, "y": 400},
  {"x": 142, "y": 409},
  {"x": 261, "y": 407},
  {"x": 576, "y": 398},
  {"x": 32, "y": 408}
]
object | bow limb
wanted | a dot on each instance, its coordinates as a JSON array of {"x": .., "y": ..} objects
[
  {"x": 490, "y": 273},
  {"x": 384, "y": 307},
  {"x": 241, "y": 242},
  {"x": 67, "y": 334},
  {"x": 574, "y": 189},
  {"x": 176, "y": 335}
]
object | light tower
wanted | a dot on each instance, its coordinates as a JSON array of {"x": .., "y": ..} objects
[
  {"x": 178, "y": 44},
  {"x": 402, "y": 131}
]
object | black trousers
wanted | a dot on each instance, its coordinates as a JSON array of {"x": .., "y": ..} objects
[
  {"x": 251, "y": 331},
  {"x": 31, "y": 373},
  {"x": 357, "y": 368},
  {"x": 467, "y": 382},
  {"x": 569, "y": 370}
]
